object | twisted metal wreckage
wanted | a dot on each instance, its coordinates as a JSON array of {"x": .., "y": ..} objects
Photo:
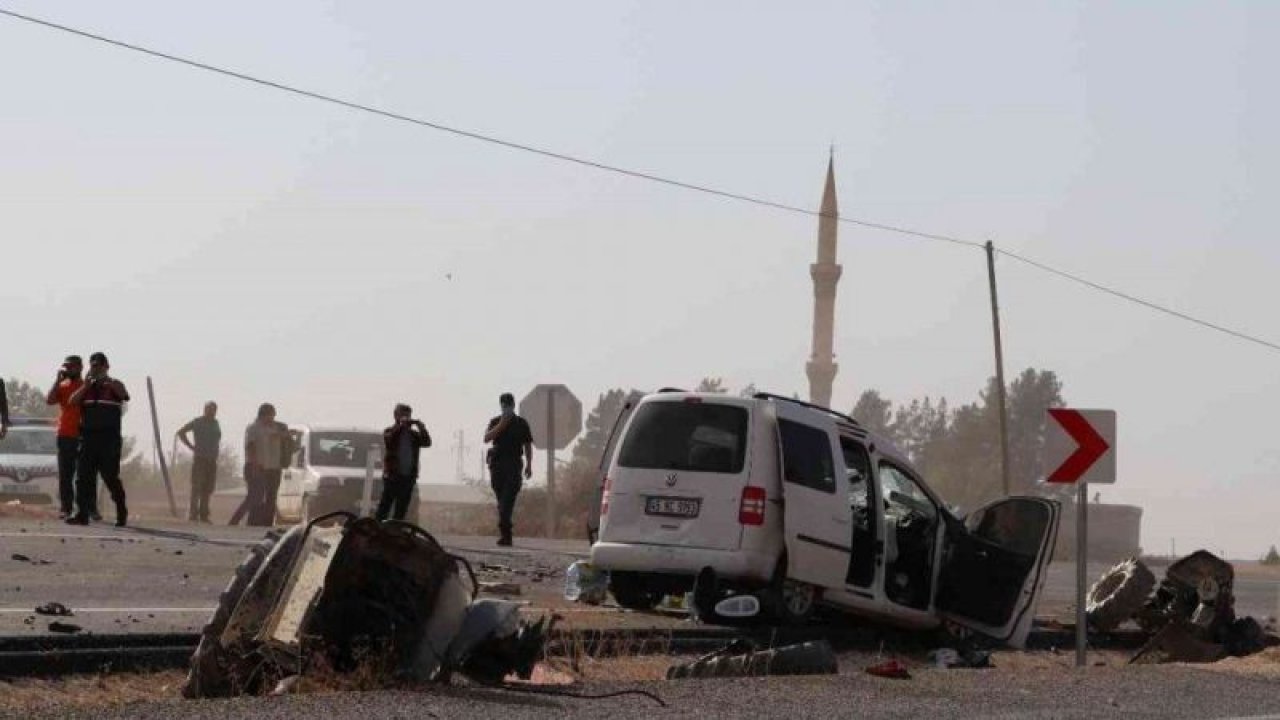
[{"x": 342, "y": 593}]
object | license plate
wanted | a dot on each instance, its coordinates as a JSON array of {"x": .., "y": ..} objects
[
  {"x": 21, "y": 490},
  {"x": 672, "y": 507}
]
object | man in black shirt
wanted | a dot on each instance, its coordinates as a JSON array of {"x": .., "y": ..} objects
[
  {"x": 512, "y": 442},
  {"x": 101, "y": 401},
  {"x": 401, "y": 445}
]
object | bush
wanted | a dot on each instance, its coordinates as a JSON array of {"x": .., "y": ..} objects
[{"x": 1272, "y": 557}]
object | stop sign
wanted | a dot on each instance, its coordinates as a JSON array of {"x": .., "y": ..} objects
[{"x": 554, "y": 416}]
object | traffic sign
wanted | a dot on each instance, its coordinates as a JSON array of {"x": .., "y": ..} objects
[
  {"x": 554, "y": 416},
  {"x": 1081, "y": 446}
]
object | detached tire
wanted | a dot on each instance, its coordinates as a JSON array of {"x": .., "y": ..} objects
[
  {"x": 1119, "y": 594},
  {"x": 213, "y": 670}
]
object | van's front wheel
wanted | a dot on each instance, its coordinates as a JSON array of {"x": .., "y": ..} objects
[
  {"x": 796, "y": 601},
  {"x": 631, "y": 591}
]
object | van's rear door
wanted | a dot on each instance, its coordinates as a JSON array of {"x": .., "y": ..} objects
[
  {"x": 606, "y": 459},
  {"x": 679, "y": 472},
  {"x": 817, "y": 522}
]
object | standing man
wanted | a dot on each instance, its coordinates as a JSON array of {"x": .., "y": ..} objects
[
  {"x": 101, "y": 399},
  {"x": 204, "y": 459},
  {"x": 401, "y": 444},
  {"x": 267, "y": 447},
  {"x": 510, "y": 435},
  {"x": 4, "y": 411},
  {"x": 64, "y": 386}
]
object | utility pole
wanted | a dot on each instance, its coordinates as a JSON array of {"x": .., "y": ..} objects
[
  {"x": 460, "y": 453},
  {"x": 1000, "y": 394}
]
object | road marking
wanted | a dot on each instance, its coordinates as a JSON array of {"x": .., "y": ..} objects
[
  {"x": 135, "y": 536},
  {"x": 30, "y": 611}
]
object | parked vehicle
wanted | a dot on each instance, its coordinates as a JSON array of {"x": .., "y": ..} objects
[
  {"x": 29, "y": 462},
  {"x": 328, "y": 472},
  {"x": 800, "y": 506}
]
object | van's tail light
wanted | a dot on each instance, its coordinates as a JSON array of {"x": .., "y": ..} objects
[
  {"x": 604, "y": 497},
  {"x": 751, "y": 511}
]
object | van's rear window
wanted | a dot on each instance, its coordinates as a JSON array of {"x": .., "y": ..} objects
[{"x": 694, "y": 437}]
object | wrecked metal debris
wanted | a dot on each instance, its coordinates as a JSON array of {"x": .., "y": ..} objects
[
  {"x": 740, "y": 658},
  {"x": 61, "y": 627},
  {"x": 357, "y": 594},
  {"x": 56, "y": 609}
]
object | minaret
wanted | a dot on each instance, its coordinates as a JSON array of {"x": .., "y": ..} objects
[{"x": 826, "y": 273}]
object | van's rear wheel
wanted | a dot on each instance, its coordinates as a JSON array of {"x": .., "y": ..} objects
[
  {"x": 631, "y": 591},
  {"x": 796, "y": 601}
]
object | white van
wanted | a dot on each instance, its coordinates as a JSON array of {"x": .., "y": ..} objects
[
  {"x": 798, "y": 505},
  {"x": 328, "y": 474}
]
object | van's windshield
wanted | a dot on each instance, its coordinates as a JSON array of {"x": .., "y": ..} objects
[{"x": 688, "y": 436}]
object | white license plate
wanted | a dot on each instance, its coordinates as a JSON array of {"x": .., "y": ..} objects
[
  {"x": 21, "y": 490},
  {"x": 672, "y": 507}
]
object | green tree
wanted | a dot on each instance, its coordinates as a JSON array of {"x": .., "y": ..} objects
[
  {"x": 874, "y": 412},
  {"x": 749, "y": 391},
  {"x": 27, "y": 400},
  {"x": 1030, "y": 394},
  {"x": 1272, "y": 557}
]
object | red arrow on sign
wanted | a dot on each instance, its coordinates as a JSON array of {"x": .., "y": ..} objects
[{"x": 1092, "y": 446}]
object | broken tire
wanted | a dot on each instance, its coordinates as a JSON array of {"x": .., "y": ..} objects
[
  {"x": 630, "y": 591},
  {"x": 1119, "y": 594},
  {"x": 212, "y": 672}
]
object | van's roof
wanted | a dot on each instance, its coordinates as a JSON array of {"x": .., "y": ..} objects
[{"x": 886, "y": 447}]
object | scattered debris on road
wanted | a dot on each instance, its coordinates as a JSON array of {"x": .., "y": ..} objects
[
  {"x": 500, "y": 588},
  {"x": 586, "y": 584},
  {"x": 949, "y": 658},
  {"x": 65, "y": 628},
  {"x": 380, "y": 600},
  {"x": 1190, "y": 616},
  {"x": 741, "y": 658},
  {"x": 892, "y": 669},
  {"x": 23, "y": 558},
  {"x": 54, "y": 608}
]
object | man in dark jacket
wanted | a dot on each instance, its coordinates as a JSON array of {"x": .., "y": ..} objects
[
  {"x": 102, "y": 399},
  {"x": 401, "y": 444},
  {"x": 512, "y": 440}
]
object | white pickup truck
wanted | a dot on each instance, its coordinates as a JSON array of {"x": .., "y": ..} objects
[{"x": 328, "y": 473}]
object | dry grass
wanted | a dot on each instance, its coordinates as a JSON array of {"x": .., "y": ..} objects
[
  {"x": 19, "y": 509},
  {"x": 83, "y": 691}
]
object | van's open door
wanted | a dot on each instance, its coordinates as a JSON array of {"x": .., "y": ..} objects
[
  {"x": 817, "y": 523},
  {"x": 995, "y": 565},
  {"x": 606, "y": 457}
]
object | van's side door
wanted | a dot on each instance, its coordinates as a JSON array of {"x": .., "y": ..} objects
[
  {"x": 995, "y": 566},
  {"x": 817, "y": 522},
  {"x": 606, "y": 457},
  {"x": 290, "y": 495}
]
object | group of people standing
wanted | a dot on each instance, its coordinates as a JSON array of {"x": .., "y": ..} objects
[
  {"x": 90, "y": 408},
  {"x": 89, "y": 442}
]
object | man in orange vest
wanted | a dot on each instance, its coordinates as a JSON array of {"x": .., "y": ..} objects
[{"x": 66, "y": 384}]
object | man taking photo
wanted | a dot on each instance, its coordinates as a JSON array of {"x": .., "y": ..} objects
[
  {"x": 401, "y": 444},
  {"x": 65, "y": 385},
  {"x": 101, "y": 400},
  {"x": 512, "y": 439}
]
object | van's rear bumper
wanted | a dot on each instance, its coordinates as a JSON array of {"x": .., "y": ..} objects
[{"x": 681, "y": 560}]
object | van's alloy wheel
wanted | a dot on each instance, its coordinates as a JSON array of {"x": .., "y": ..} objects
[{"x": 797, "y": 600}]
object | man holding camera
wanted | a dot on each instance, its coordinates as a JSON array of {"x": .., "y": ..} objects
[
  {"x": 66, "y": 384},
  {"x": 511, "y": 438},
  {"x": 204, "y": 459},
  {"x": 401, "y": 444},
  {"x": 101, "y": 400}
]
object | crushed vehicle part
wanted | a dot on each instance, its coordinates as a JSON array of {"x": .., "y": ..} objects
[
  {"x": 741, "y": 658},
  {"x": 56, "y": 609},
  {"x": 500, "y": 588},
  {"x": 1200, "y": 585},
  {"x": 948, "y": 658},
  {"x": 66, "y": 628},
  {"x": 1119, "y": 594},
  {"x": 1179, "y": 641},
  {"x": 217, "y": 668},
  {"x": 893, "y": 669},
  {"x": 358, "y": 593}
]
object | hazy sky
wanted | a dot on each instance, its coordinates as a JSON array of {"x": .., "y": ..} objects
[{"x": 240, "y": 244}]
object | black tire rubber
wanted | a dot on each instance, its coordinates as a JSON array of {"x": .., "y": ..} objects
[
  {"x": 1119, "y": 594},
  {"x": 630, "y": 591},
  {"x": 209, "y": 676}
]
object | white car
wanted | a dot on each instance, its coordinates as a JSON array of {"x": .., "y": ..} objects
[
  {"x": 29, "y": 462},
  {"x": 797, "y": 505},
  {"x": 328, "y": 474}
]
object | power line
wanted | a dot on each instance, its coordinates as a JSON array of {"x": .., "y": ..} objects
[
  {"x": 509, "y": 144},
  {"x": 597, "y": 165},
  {"x": 1137, "y": 300}
]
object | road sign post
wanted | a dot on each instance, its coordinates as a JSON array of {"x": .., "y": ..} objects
[
  {"x": 555, "y": 418},
  {"x": 1081, "y": 448}
]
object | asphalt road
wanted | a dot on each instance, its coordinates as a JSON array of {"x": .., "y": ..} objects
[{"x": 167, "y": 577}]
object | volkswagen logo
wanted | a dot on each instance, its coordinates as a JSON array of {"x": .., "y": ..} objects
[{"x": 671, "y": 479}]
